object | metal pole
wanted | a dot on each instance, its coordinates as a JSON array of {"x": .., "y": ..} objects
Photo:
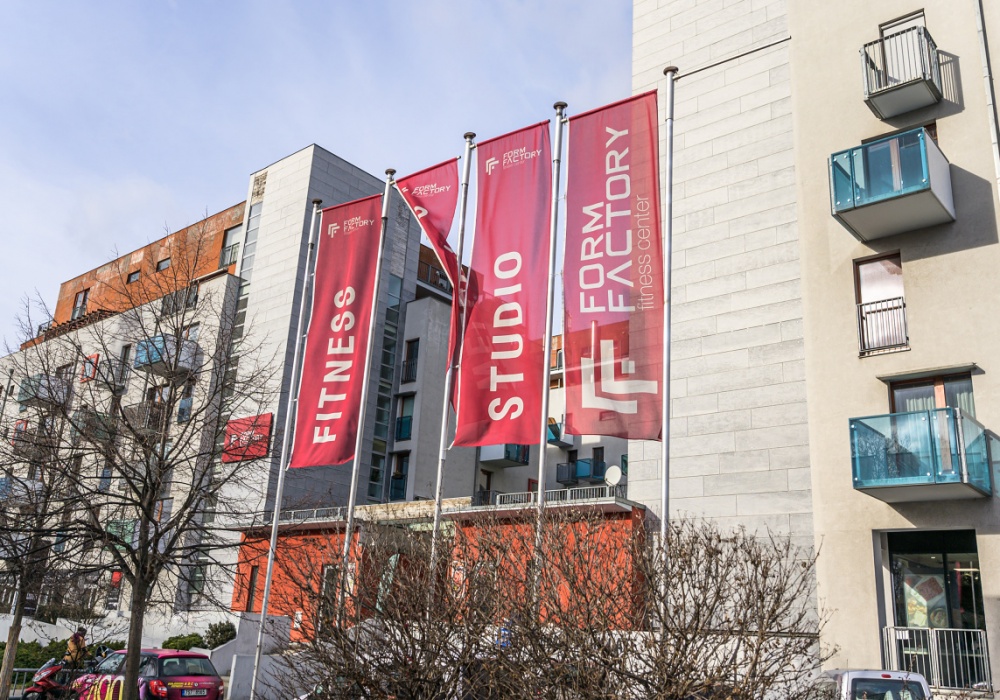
[
  {"x": 449, "y": 377},
  {"x": 668, "y": 228},
  {"x": 286, "y": 444},
  {"x": 547, "y": 339},
  {"x": 359, "y": 439}
]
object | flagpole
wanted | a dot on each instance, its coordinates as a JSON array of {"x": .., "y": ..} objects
[
  {"x": 547, "y": 340},
  {"x": 449, "y": 377},
  {"x": 286, "y": 443},
  {"x": 359, "y": 439},
  {"x": 668, "y": 228}
]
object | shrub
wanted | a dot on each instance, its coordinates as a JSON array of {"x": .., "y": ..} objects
[
  {"x": 184, "y": 642},
  {"x": 219, "y": 633}
]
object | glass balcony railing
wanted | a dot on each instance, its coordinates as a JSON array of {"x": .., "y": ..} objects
[
  {"x": 581, "y": 470},
  {"x": 558, "y": 437},
  {"x": 901, "y": 72},
  {"x": 939, "y": 454},
  {"x": 433, "y": 276},
  {"x": 508, "y": 455},
  {"x": 166, "y": 356},
  {"x": 404, "y": 427},
  {"x": 892, "y": 185},
  {"x": 44, "y": 390}
]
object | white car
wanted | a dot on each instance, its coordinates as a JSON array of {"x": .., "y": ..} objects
[{"x": 873, "y": 685}]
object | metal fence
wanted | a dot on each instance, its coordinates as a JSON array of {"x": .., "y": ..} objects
[
  {"x": 20, "y": 681},
  {"x": 585, "y": 493},
  {"x": 882, "y": 325},
  {"x": 900, "y": 58},
  {"x": 947, "y": 657}
]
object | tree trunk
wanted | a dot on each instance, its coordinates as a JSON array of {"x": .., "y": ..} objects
[
  {"x": 137, "y": 610},
  {"x": 7, "y": 672}
]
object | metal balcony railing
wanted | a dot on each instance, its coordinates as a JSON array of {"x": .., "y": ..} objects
[
  {"x": 901, "y": 72},
  {"x": 922, "y": 456},
  {"x": 44, "y": 390},
  {"x": 526, "y": 498},
  {"x": 433, "y": 276},
  {"x": 580, "y": 470},
  {"x": 882, "y": 326},
  {"x": 948, "y": 658},
  {"x": 409, "y": 372},
  {"x": 229, "y": 255},
  {"x": 147, "y": 417},
  {"x": 404, "y": 427}
]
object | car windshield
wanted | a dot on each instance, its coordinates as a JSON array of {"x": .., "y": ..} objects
[
  {"x": 186, "y": 666},
  {"x": 886, "y": 689},
  {"x": 110, "y": 665}
]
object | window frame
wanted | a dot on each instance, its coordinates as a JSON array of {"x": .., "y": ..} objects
[{"x": 163, "y": 264}]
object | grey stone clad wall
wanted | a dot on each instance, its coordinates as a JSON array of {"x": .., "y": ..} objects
[{"x": 739, "y": 440}]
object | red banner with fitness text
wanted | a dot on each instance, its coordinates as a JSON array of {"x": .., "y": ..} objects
[
  {"x": 613, "y": 273},
  {"x": 432, "y": 195},
  {"x": 501, "y": 373},
  {"x": 334, "y": 363}
]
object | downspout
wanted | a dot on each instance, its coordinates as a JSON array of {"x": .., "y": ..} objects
[{"x": 984, "y": 55}]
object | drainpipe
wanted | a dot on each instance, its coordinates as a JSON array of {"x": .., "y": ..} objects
[{"x": 984, "y": 55}]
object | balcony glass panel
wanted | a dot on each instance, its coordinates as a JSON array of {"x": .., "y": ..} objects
[
  {"x": 936, "y": 448},
  {"x": 404, "y": 427},
  {"x": 868, "y": 182}
]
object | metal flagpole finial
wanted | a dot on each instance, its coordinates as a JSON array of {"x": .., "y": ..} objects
[
  {"x": 317, "y": 202},
  {"x": 670, "y": 69},
  {"x": 469, "y": 135},
  {"x": 389, "y": 172},
  {"x": 558, "y": 106}
]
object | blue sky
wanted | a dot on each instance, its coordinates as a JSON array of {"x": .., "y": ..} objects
[{"x": 120, "y": 121}]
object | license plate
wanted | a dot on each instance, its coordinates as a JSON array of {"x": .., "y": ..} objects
[{"x": 193, "y": 693}]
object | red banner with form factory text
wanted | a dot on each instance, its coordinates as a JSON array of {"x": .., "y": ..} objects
[
  {"x": 500, "y": 379},
  {"x": 613, "y": 273},
  {"x": 432, "y": 195},
  {"x": 334, "y": 363}
]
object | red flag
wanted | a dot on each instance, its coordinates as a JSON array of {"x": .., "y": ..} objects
[
  {"x": 330, "y": 401},
  {"x": 432, "y": 195},
  {"x": 500, "y": 379},
  {"x": 613, "y": 273}
]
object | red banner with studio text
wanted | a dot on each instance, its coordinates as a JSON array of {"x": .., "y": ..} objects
[
  {"x": 613, "y": 273},
  {"x": 500, "y": 379},
  {"x": 432, "y": 195},
  {"x": 333, "y": 367}
]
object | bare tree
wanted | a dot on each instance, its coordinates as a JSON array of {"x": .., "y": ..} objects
[
  {"x": 134, "y": 399},
  {"x": 731, "y": 615}
]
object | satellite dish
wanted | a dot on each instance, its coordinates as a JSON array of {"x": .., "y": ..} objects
[{"x": 613, "y": 475}]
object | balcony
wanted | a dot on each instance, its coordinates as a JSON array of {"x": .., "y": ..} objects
[
  {"x": 166, "y": 356},
  {"x": 34, "y": 445},
  {"x": 44, "y": 391},
  {"x": 112, "y": 375},
  {"x": 409, "y": 372},
  {"x": 147, "y": 418},
  {"x": 404, "y": 428},
  {"x": 936, "y": 455},
  {"x": 99, "y": 428},
  {"x": 882, "y": 326},
  {"x": 433, "y": 276},
  {"x": 901, "y": 72},
  {"x": 508, "y": 455},
  {"x": 524, "y": 499},
  {"x": 558, "y": 438},
  {"x": 892, "y": 185},
  {"x": 581, "y": 470}
]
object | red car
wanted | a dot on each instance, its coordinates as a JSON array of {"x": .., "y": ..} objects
[{"x": 163, "y": 673}]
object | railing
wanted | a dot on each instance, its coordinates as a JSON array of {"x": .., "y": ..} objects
[
  {"x": 517, "y": 453},
  {"x": 42, "y": 327},
  {"x": 145, "y": 417},
  {"x": 585, "y": 469},
  {"x": 409, "y": 371},
  {"x": 882, "y": 325},
  {"x": 404, "y": 427},
  {"x": 165, "y": 355},
  {"x": 946, "y": 657},
  {"x": 434, "y": 276},
  {"x": 20, "y": 681},
  {"x": 885, "y": 169},
  {"x": 44, "y": 389},
  {"x": 397, "y": 488},
  {"x": 484, "y": 498},
  {"x": 586, "y": 493},
  {"x": 229, "y": 255},
  {"x": 96, "y": 427},
  {"x": 900, "y": 58},
  {"x": 940, "y": 446}
]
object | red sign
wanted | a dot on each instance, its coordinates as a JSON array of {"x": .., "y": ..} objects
[
  {"x": 432, "y": 194},
  {"x": 247, "y": 438},
  {"x": 613, "y": 273},
  {"x": 334, "y": 363},
  {"x": 500, "y": 379}
]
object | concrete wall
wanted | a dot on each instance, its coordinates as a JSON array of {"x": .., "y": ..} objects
[
  {"x": 948, "y": 274},
  {"x": 739, "y": 436}
]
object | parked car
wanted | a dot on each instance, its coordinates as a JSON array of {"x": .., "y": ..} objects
[
  {"x": 163, "y": 674},
  {"x": 859, "y": 684}
]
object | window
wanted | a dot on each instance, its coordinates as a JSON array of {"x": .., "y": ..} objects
[
  {"x": 954, "y": 391},
  {"x": 598, "y": 455},
  {"x": 410, "y": 363},
  {"x": 252, "y": 588},
  {"x": 397, "y": 485},
  {"x": 185, "y": 404},
  {"x": 158, "y": 394},
  {"x": 230, "y": 246},
  {"x": 191, "y": 332},
  {"x": 80, "y": 304},
  {"x": 404, "y": 424},
  {"x": 147, "y": 667},
  {"x": 881, "y": 310},
  {"x": 89, "y": 369},
  {"x": 163, "y": 265},
  {"x": 132, "y": 277}
]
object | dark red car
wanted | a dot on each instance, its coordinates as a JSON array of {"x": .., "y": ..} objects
[{"x": 163, "y": 673}]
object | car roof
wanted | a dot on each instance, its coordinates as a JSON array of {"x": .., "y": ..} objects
[{"x": 169, "y": 653}]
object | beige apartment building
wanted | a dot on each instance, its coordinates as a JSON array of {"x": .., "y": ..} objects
[{"x": 836, "y": 375}]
